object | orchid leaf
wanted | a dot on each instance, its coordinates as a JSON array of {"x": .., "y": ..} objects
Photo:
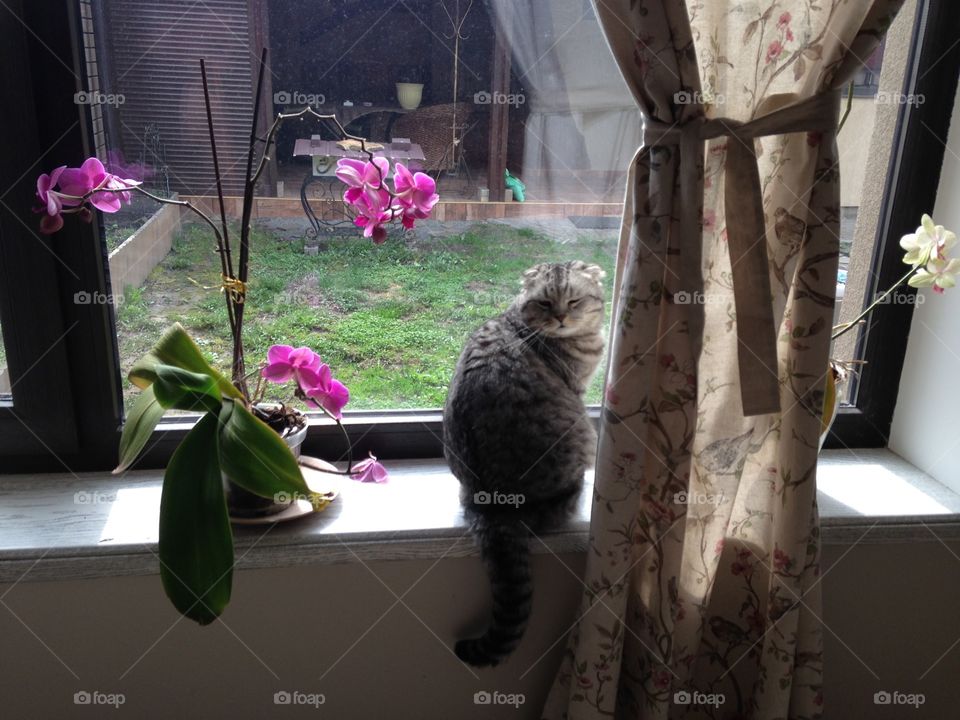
[
  {"x": 142, "y": 419},
  {"x": 254, "y": 456},
  {"x": 184, "y": 390},
  {"x": 176, "y": 348},
  {"x": 196, "y": 543}
]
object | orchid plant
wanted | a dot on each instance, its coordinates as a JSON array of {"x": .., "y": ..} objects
[
  {"x": 927, "y": 254},
  {"x": 231, "y": 440}
]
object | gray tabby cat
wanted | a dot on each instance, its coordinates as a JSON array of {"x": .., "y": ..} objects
[{"x": 516, "y": 433}]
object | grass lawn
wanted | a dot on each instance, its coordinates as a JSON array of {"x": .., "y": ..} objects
[{"x": 390, "y": 320}]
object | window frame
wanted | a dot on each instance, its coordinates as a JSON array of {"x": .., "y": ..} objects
[
  {"x": 911, "y": 185},
  {"x": 66, "y": 410},
  {"x": 68, "y": 360}
]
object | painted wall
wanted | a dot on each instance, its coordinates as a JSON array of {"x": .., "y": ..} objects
[{"x": 331, "y": 630}]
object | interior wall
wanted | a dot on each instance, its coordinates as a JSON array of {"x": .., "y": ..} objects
[
  {"x": 320, "y": 629},
  {"x": 287, "y": 628},
  {"x": 926, "y": 422}
]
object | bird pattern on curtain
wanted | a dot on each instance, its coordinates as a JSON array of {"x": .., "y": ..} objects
[{"x": 702, "y": 594}]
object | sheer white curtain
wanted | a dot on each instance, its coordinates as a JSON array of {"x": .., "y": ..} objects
[{"x": 581, "y": 115}]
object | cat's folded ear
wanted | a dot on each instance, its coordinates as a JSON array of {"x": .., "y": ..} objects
[
  {"x": 530, "y": 276},
  {"x": 594, "y": 272}
]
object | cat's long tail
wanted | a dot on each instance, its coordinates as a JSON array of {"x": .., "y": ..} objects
[{"x": 505, "y": 550}]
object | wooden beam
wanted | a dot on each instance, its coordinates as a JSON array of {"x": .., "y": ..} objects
[
  {"x": 499, "y": 115},
  {"x": 260, "y": 38}
]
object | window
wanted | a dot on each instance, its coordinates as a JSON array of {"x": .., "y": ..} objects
[
  {"x": 896, "y": 184},
  {"x": 483, "y": 88},
  {"x": 390, "y": 320}
]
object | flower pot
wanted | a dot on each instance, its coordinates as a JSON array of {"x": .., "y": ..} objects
[
  {"x": 243, "y": 504},
  {"x": 409, "y": 95}
]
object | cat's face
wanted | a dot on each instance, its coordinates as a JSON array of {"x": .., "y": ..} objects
[{"x": 563, "y": 299}]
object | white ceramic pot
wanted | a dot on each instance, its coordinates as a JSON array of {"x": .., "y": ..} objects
[{"x": 409, "y": 95}]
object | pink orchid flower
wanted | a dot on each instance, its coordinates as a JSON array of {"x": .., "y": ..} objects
[
  {"x": 415, "y": 190},
  {"x": 51, "y": 201},
  {"x": 312, "y": 375},
  {"x": 328, "y": 393},
  {"x": 90, "y": 176},
  {"x": 368, "y": 177},
  {"x": 74, "y": 184},
  {"x": 302, "y": 364},
  {"x": 369, "y": 470},
  {"x": 373, "y": 212},
  {"x": 45, "y": 192},
  {"x": 416, "y": 194}
]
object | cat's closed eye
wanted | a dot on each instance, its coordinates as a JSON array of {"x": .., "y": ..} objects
[
  {"x": 545, "y": 304},
  {"x": 575, "y": 302}
]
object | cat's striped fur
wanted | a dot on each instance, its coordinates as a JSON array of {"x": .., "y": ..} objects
[{"x": 515, "y": 427}]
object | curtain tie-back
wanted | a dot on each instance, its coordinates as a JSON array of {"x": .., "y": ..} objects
[{"x": 746, "y": 232}]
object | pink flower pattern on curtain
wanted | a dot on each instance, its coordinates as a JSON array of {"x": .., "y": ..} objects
[{"x": 702, "y": 579}]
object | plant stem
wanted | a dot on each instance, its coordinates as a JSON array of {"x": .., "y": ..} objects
[
  {"x": 243, "y": 263},
  {"x": 346, "y": 437},
  {"x": 164, "y": 201},
  {"x": 847, "y": 327}
]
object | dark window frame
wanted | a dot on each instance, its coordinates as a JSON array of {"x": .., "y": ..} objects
[
  {"x": 71, "y": 399},
  {"x": 65, "y": 386}
]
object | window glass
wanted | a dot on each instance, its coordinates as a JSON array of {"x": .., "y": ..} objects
[
  {"x": 429, "y": 82},
  {"x": 866, "y": 146}
]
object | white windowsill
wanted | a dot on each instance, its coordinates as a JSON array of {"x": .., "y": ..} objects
[{"x": 865, "y": 496}]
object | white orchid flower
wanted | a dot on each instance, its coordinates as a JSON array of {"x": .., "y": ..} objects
[
  {"x": 939, "y": 273},
  {"x": 929, "y": 241}
]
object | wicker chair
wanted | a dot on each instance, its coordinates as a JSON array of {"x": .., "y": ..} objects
[{"x": 431, "y": 128}]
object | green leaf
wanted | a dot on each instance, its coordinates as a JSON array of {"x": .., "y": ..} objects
[
  {"x": 196, "y": 544},
  {"x": 143, "y": 418},
  {"x": 176, "y": 348},
  {"x": 185, "y": 390},
  {"x": 254, "y": 456}
]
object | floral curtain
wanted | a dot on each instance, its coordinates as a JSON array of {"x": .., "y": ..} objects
[{"x": 702, "y": 593}]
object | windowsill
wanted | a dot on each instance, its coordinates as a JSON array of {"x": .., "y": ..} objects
[{"x": 865, "y": 496}]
